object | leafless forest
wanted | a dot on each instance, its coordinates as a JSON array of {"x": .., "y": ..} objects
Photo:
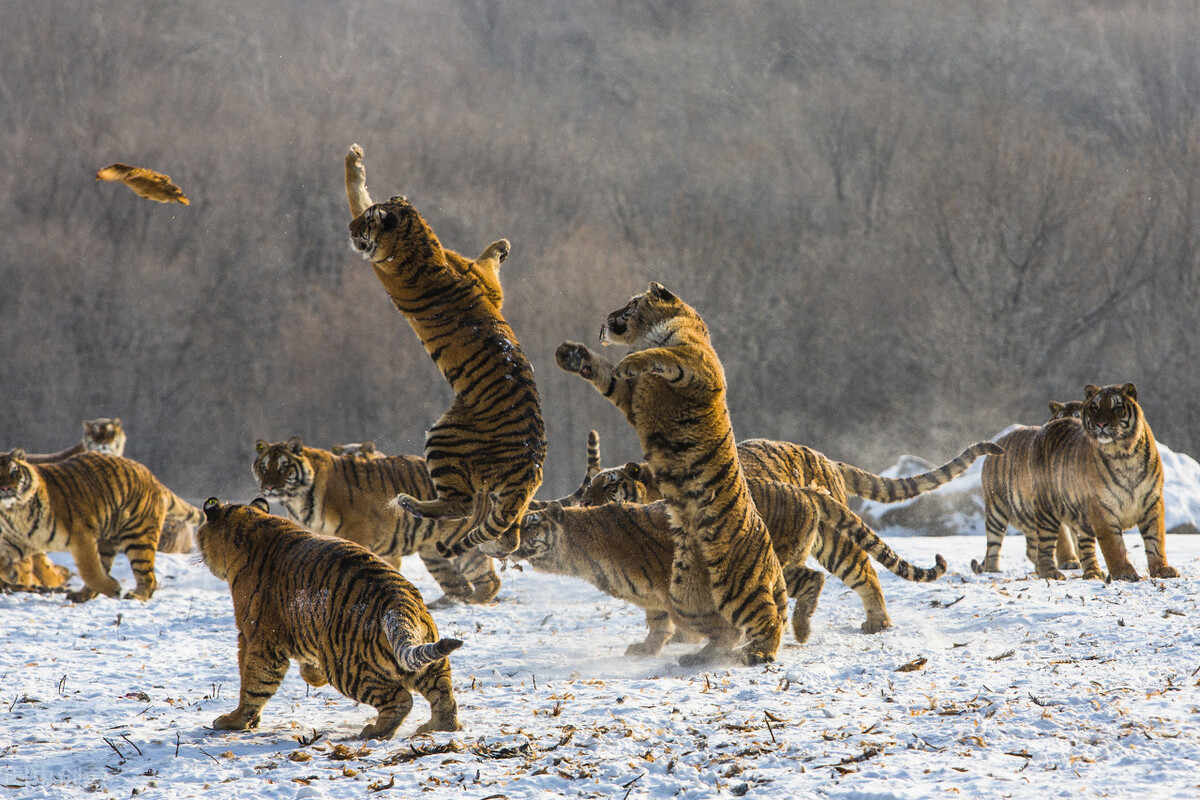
[{"x": 907, "y": 224}]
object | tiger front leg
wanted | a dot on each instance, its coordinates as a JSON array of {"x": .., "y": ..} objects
[
  {"x": 261, "y": 671},
  {"x": 1154, "y": 536},
  {"x": 598, "y": 371},
  {"x": 1046, "y": 538},
  {"x": 95, "y": 577},
  {"x": 660, "y": 630},
  {"x": 356, "y": 182}
]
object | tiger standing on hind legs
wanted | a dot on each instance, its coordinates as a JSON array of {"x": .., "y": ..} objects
[
  {"x": 491, "y": 443},
  {"x": 726, "y": 580}
]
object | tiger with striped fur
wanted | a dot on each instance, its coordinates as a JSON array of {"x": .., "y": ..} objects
[
  {"x": 726, "y": 581},
  {"x": 625, "y": 549},
  {"x": 103, "y": 435},
  {"x": 348, "y": 496},
  {"x": 345, "y": 615},
  {"x": 764, "y": 459},
  {"x": 92, "y": 505},
  {"x": 1098, "y": 476},
  {"x": 491, "y": 442},
  {"x": 365, "y": 449}
]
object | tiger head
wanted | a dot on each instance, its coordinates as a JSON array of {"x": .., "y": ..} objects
[
  {"x": 654, "y": 318},
  {"x": 216, "y": 536},
  {"x": 357, "y": 450},
  {"x": 18, "y": 483},
  {"x": 104, "y": 436},
  {"x": 283, "y": 470},
  {"x": 391, "y": 234},
  {"x": 1111, "y": 414},
  {"x": 1072, "y": 409},
  {"x": 629, "y": 483},
  {"x": 539, "y": 532}
]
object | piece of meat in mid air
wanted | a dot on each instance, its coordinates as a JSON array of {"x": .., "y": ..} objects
[{"x": 145, "y": 183}]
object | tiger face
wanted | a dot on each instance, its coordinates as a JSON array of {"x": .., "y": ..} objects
[
  {"x": 1072, "y": 409},
  {"x": 618, "y": 484},
  {"x": 281, "y": 469},
  {"x": 384, "y": 234},
  {"x": 104, "y": 436},
  {"x": 1111, "y": 414},
  {"x": 539, "y": 533},
  {"x": 16, "y": 479},
  {"x": 649, "y": 319}
]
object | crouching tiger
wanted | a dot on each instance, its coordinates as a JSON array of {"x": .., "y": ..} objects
[{"x": 345, "y": 615}]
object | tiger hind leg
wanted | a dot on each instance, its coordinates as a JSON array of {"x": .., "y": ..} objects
[
  {"x": 1154, "y": 536},
  {"x": 996, "y": 523},
  {"x": 437, "y": 687},
  {"x": 261, "y": 673},
  {"x": 1065, "y": 551},
  {"x": 660, "y": 630},
  {"x": 391, "y": 716},
  {"x": 804, "y": 586},
  {"x": 850, "y": 564},
  {"x": 1046, "y": 536},
  {"x": 141, "y": 561}
]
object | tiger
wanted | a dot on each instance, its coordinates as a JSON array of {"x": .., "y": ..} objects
[
  {"x": 365, "y": 449},
  {"x": 1066, "y": 549},
  {"x": 1098, "y": 476},
  {"x": 625, "y": 550},
  {"x": 765, "y": 459},
  {"x": 102, "y": 435},
  {"x": 345, "y": 615},
  {"x": 93, "y": 505},
  {"x": 491, "y": 442},
  {"x": 1072, "y": 409},
  {"x": 843, "y": 555},
  {"x": 348, "y": 496},
  {"x": 726, "y": 581},
  {"x": 36, "y": 573}
]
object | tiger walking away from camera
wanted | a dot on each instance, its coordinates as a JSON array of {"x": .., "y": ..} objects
[
  {"x": 1098, "y": 476},
  {"x": 93, "y": 506},
  {"x": 726, "y": 581},
  {"x": 491, "y": 443},
  {"x": 767, "y": 460},
  {"x": 345, "y": 615},
  {"x": 348, "y": 496}
]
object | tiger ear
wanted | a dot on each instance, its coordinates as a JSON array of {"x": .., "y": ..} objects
[
  {"x": 554, "y": 511},
  {"x": 212, "y": 507},
  {"x": 261, "y": 504},
  {"x": 1130, "y": 391},
  {"x": 1056, "y": 406},
  {"x": 1090, "y": 391},
  {"x": 295, "y": 444},
  {"x": 367, "y": 447},
  {"x": 17, "y": 454},
  {"x": 660, "y": 291},
  {"x": 633, "y": 470},
  {"x": 116, "y": 423},
  {"x": 260, "y": 445}
]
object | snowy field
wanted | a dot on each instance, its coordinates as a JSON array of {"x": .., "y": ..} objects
[{"x": 988, "y": 686}]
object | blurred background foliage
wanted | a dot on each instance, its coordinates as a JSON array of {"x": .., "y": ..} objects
[{"x": 907, "y": 224}]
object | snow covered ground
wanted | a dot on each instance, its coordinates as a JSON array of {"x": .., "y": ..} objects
[{"x": 987, "y": 686}]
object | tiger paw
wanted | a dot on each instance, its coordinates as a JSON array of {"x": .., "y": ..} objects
[
  {"x": 641, "y": 650},
  {"x": 1068, "y": 565},
  {"x": 1125, "y": 572},
  {"x": 752, "y": 656},
  {"x": 1164, "y": 571},
  {"x": 354, "y": 165},
  {"x": 406, "y": 504},
  {"x": 876, "y": 622},
  {"x": 1094, "y": 574},
  {"x": 446, "y": 601},
  {"x": 1050, "y": 573},
  {"x": 81, "y": 595},
  {"x": 498, "y": 250},
  {"x": 236, "y": 720},
  {"x": 574, "y": 357}
]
